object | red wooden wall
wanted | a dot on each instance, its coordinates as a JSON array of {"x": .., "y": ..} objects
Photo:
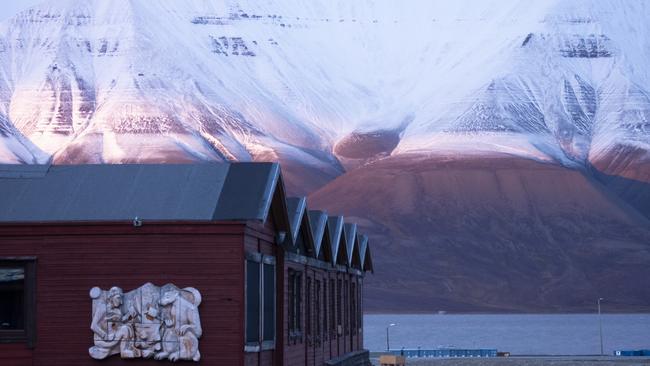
[
  {"x": 208, "y": 256},
  {"x": 74, "y": 258},
  {"x": 314, "y": 351}
]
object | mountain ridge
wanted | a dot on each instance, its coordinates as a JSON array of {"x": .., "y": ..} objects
[
  {"x": 437, "y": 96},
  {"x": 545, "y": 80}
]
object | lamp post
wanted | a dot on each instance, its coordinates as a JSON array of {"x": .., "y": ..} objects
[
  {"x": 388, "y": 335},
  {"x": 600, "y": 326}
]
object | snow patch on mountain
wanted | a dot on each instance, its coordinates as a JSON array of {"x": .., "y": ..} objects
[{"x": 136, "y": 80}]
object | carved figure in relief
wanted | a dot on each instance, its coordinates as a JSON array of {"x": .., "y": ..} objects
[
  {"x": 160, "y": 322},
  {"x": 113, "y": 330},
  {"x": 182, "y": 326},
  {"x": 148, "y": 332}
]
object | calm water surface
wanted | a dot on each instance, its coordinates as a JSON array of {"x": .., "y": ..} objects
[{"x": 574, "y": 334}]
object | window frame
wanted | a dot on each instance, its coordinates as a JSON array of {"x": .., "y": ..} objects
[
  {"x": 346, "y": 307},
  {"x": 339, "y": 310},
  {"x": 317, "y": 309},
  {"x": 261, "y": 344},
  {"x": 332, "y": 306},
  {"x": 295, "y": 327},
  {"x": 325, "y": 319},
  {"x": 269, "y": 343},
  {"x": 28, "y": 333},
  {"x": 353, "y": 309},
  {"x": 360, "y": 305},
  {"x": 308, "y": 310}
]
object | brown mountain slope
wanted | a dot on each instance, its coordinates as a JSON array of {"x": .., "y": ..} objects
[
  {"x": 492, "y": 234},
  {"x": 626, "y": 172}
]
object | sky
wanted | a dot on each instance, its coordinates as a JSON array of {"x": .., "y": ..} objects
[{"x": 8, "y": 8}]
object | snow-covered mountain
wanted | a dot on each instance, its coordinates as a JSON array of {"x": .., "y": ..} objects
[
  {"x": 494, "y": 150},
  {"x": 309, "y": 81}
]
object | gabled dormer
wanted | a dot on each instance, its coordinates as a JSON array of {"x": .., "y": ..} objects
[
  {"x": 364, "y": 251},
  {"x": 335, "y": 225},
  {"x": 252, "y": 191},
  {"x": 356, "y": 253},
  {"x": 320, "y": 232},
  {"x": 302, "y": 238},
  {"x": 350, "y": 233}
]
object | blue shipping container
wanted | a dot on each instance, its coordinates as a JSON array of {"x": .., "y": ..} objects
[
  {"x": 449, "y": 352},
  {"x": 628, "y": 353}
]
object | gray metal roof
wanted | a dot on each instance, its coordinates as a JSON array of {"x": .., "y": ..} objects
[
  {"x": 363, "y": 246},
  {"x": 174, "y": 192},
  {"x": 318, "y": 220},
  {"x": 221, "y": 191},
  {"x": 296, "y": 207},
  {"x": 350, "y": 231},
  {"x": 364, "y": 250},
  {"x": 335, "y": 226},
  {"x": 248, "y": 191}
]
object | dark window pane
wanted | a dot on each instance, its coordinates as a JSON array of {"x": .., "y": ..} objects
[
  {"x": 359, "y": 306},
  {"x": 317, "y": 310},
  {"x": 252, "y": 301},
  {"x": 269, "y": 302},
  {"x": 12, "y": 296},
  {"x": 325, "y": 310},
  {"x": 298, "y": 293},
  {"x": 346, "y": 310},
  {"x": 339, "y": 299},
  {"x": 332, "y": 306},
  {"x": 308, "y": 307},
  {"x": 292, "y": 322},
  {"x": 353, "y": 308}
]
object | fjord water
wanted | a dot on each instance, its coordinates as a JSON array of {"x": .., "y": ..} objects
[{"x": 520, "y": 334}]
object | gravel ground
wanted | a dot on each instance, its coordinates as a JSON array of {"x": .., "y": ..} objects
[{"x": 528, "y": 361}]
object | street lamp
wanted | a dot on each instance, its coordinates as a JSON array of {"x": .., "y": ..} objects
[
  {"x": 600, "y": 325},
  {"x": 388, "y": 336}
]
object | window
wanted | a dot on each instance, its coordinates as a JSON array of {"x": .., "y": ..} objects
[
  {"x": 295, "y": 283},
  {"x": 359, "y": 307},
  {"x": 12, "y": 301},
  {"x": 353, "y": 308},
  {"x": 308, "y": 316},
  {"x": 339, "y": 317},
  {"x": 317, "y": 308},
  {"x": 346, "y": 310},
  {"x": 260, "y": 303},
  {"x": 17, "y": 300},
  {"x": 325, "y": 324},
  {"x": 333, "y": 307},
  {"x": 269, "y": 303}
]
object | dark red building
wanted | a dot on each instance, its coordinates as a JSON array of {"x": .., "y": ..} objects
[{"x": 274, "y": 283}]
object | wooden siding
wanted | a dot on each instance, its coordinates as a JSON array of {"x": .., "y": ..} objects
[
  {"x": 74, "y": 258},
  {"x": 15, "y": 354},
  {"x": 315, "y": 350}
]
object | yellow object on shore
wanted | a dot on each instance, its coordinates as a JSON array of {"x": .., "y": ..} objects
[{"x": 390, "y": 360}]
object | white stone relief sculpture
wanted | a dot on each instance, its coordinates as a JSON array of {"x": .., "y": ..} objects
[{"x": 149, "y": 322}]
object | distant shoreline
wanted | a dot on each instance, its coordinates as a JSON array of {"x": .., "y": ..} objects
[{"x": 532, "y": 335}]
